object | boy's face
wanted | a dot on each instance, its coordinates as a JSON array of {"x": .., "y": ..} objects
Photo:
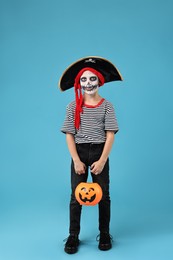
[{"x": 89, "y": 82}]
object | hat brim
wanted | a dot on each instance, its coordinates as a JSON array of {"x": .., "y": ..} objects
[{"x": 105, "y": 67}]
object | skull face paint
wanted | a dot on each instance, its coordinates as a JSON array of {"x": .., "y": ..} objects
[{"x": 89, "y": 82}]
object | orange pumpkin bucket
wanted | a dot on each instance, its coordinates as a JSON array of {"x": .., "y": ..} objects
[{"x": 88, "y": 194}]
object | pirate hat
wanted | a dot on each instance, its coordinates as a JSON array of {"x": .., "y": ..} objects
[{"x": 105, "y": 67}]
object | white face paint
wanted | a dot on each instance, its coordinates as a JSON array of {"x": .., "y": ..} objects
[{"x": 89, "y": 82}]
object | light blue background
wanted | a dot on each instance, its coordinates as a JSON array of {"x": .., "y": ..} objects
[{"x": 39, "y": 39}]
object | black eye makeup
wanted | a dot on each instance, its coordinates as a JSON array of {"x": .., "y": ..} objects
[
  {"x": 83, "y": 79},
  {"x": 92, "y": 78}
]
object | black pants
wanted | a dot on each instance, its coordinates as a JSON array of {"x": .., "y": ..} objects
[{"x": 90, "y": 153}]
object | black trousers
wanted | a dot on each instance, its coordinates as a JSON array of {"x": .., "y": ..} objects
[{"x": 90, "y": 153}]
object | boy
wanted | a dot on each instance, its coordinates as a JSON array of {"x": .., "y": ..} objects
[{"x": 90, "y": 126}]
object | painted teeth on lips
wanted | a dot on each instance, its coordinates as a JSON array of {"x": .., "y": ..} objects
[{"x": 89, "y": 88}]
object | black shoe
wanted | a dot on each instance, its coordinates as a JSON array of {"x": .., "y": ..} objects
[
  {"x": 71, "y": 245},
  {"x": 105, "y": 241}
]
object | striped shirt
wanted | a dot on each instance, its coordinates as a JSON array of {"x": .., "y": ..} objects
[{"x": 95, "y": 121}]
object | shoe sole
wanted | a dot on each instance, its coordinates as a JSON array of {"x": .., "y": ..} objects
[
  {"x": 105, "y": 247},
  {"x": 70, "y": 250}
]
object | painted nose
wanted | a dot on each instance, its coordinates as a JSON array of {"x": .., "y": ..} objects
[{"x": 88, "y": 83}]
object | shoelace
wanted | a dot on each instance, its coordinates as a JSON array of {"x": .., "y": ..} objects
[
  {"x": 98, "y": 238},
  {"x": 65, "y": 240}
]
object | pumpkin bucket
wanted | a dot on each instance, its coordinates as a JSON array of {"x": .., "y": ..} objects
[{"x": 88, "y": 194}]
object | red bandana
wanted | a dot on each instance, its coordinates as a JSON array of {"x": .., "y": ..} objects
[{"x": 78, "y": 92}]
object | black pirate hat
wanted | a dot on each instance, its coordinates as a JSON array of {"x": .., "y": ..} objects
[{"x": 105, "y": 67}]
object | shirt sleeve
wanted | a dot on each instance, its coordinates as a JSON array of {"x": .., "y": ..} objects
[
  {"x": 68, "y": 126},
  {"x": 111, "y": 123}
]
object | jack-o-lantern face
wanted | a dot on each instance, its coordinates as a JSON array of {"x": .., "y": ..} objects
[{"x": 88, "y": 193}]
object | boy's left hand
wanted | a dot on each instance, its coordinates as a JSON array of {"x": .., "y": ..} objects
[{"x": 97, "y": 167}]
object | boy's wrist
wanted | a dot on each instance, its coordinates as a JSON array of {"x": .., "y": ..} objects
[
  {"x": 76, "y": 159},
  {"x": 103, "y": 160}
]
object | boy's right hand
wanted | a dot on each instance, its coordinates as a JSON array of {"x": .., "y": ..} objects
[{"x": 79, "y": 167}]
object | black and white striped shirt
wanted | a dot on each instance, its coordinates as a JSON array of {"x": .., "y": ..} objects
[{"x": 95, "y": 121}]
